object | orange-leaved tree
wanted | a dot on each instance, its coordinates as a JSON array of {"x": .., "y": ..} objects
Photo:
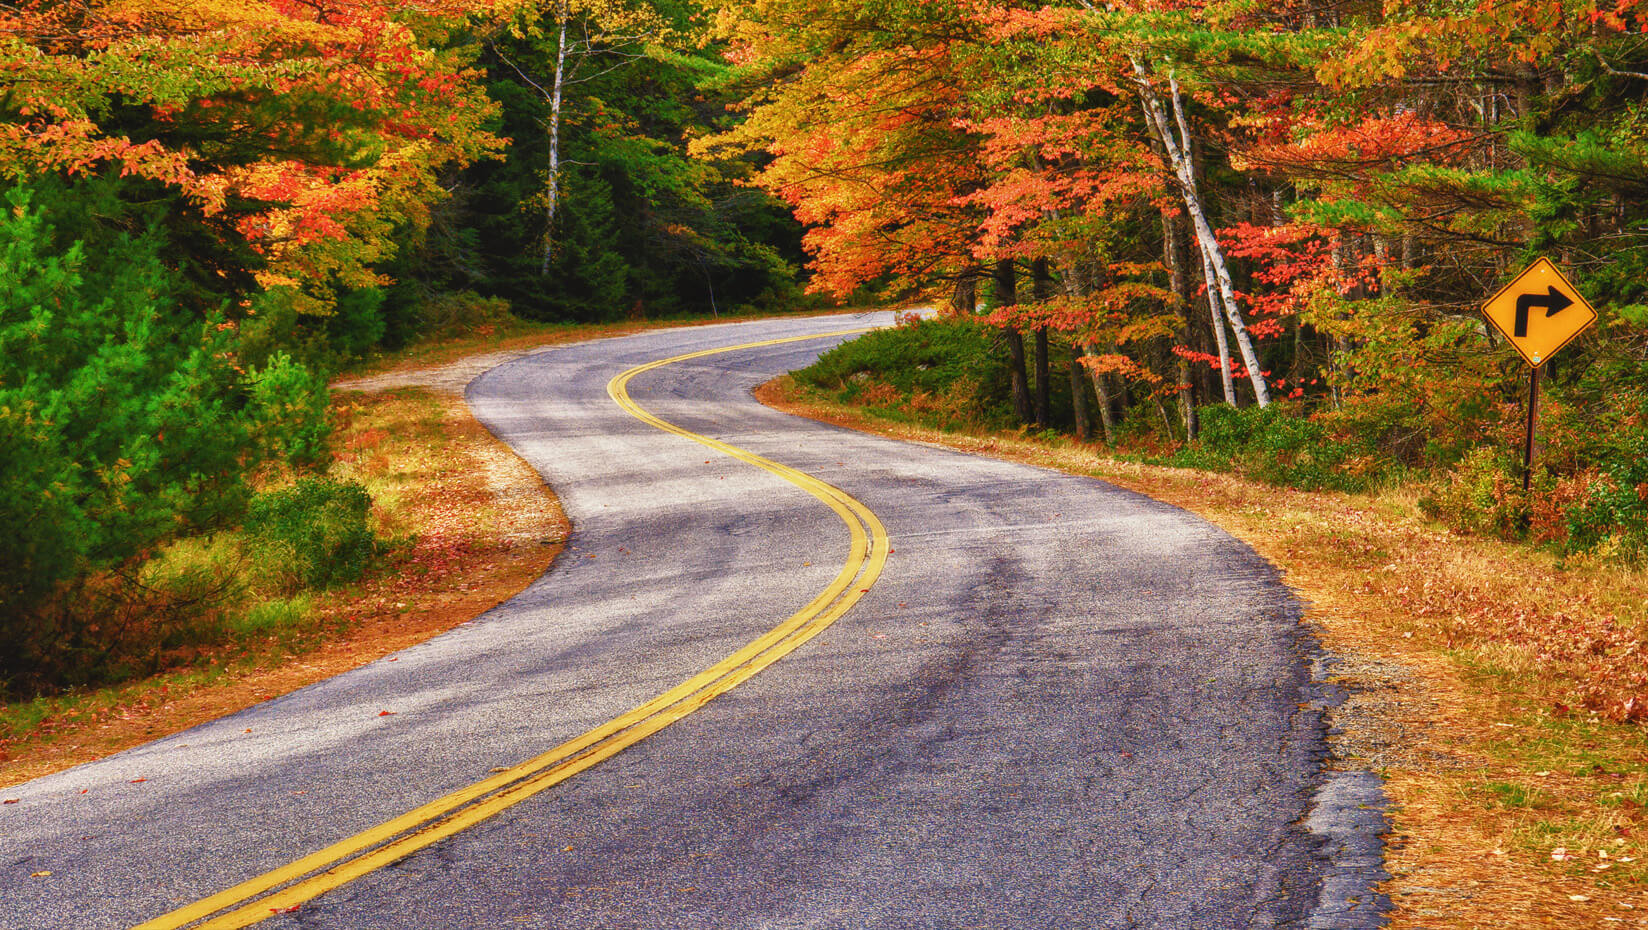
[{"x": 305, "y": 131}]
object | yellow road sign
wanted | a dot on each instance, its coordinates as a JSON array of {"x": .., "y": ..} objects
[{"x": 1539, "y": 312}]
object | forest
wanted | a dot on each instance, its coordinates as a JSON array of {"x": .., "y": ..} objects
[
  {"x": 1256, "y": 236},
  {"x": 1223, "y": 233}
]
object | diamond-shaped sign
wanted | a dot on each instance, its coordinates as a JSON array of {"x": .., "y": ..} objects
[{"x": 1539, "y": 312}]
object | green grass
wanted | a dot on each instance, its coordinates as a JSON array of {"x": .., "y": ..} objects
[
  {"x": 280, "y": 619},
  {"x": 1507, "y": 794}
]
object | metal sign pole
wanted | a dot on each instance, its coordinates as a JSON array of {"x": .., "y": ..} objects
[{"x": 1533, "y": 421}]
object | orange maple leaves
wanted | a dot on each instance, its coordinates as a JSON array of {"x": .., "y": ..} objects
[{"x": 316, "y": 114}]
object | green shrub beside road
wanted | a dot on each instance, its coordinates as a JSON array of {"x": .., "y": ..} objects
[
  {"x": 944, "y": 372},
  {"x": 127, "y": 426},
  {"x": 313, "y": 534},
  {"x": 1275, "y": 446}
]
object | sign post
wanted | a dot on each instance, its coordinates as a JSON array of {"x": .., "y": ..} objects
[{"x": 1562, "y": 315}]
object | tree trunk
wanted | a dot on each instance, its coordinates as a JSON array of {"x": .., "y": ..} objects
[
  {"x": 553, "y": 194},
  {"x": 1180, "y": 156},
  {"x": 1218, "y": 332},
  {"x": 1078, "y": 398},
  {"x": 964, "y": 300},
  {"x": 1006, "y": 296},
  {"x": 1173, "y": 251},
  {"x": 1107, "y": 417},
  {"x": 1043, "y": 377},
  {"x": 1041, "y": 286},
  {"x": 1041, "y": 280}
]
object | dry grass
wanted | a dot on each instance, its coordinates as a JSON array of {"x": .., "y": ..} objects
[{"x": 1483, "y": 674}]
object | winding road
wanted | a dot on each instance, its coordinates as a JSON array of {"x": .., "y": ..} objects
[{"x": 784, "y": 676}]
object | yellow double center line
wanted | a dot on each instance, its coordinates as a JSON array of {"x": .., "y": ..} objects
[{"x": 289, "y": 886}]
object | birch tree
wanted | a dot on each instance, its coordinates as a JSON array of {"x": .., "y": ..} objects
[
  {"x": 585, "y": 39},
  {"x": 1180, "y": 158}
]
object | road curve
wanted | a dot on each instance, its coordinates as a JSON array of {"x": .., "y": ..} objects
[{"x": 1060, "y": 705}]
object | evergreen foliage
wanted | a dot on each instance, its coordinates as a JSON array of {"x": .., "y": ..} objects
[{"x": 127, "y": 422}]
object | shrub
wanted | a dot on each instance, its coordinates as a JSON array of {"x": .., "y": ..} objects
[
  {"x": 1482, "y": 496},
  {"x": 281, "y": 619},
  {"x": 945, "y": 368},
  {"x": 357, "y": 323},
  {"x": 1613, "y": 517},
  {"x": 288, "y": 410},
  {"x": 312, "y": 534},
  {"x": 122, "y": 418},
  {"x": 117, "y": 625},
  {"x": 1278, "y": 447},
  {"x": 462, "y": 313}
]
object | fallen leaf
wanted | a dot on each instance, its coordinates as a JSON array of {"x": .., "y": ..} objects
[
  {"x": 41, "y": 875},
  {"x": 386, "y": 713},
  {"x": 139, "y": 781},
  {"x": 10, "y": 801}
]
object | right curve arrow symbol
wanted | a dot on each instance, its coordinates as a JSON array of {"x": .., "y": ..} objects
[{"x": 1554, "y": 302}]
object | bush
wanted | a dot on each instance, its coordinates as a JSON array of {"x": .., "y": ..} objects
[
  {"x": 461, "y": 313},
  {"x": 312, "y": 534},
  {"x": 1278, "y": 447},
  {"x": 117, "y": 625},
  {"x": 288, "y": 410},
  {"x": 357, "y": 323},
  {"x": 945, "y": 368},
  {"x": 1482, "y": 496},
  {"x": 1613, "y": 516},
  {"x": 279, "y": 619}
]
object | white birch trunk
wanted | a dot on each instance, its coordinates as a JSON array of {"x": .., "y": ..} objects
[
  {"x": 553, "y": 194},
  {"x": 1219, "y": 330},
  {"x": 1180, "y": 159}
]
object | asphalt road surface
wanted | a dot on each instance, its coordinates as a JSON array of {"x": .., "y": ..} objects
[{"x": 1060, "y": 705}]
